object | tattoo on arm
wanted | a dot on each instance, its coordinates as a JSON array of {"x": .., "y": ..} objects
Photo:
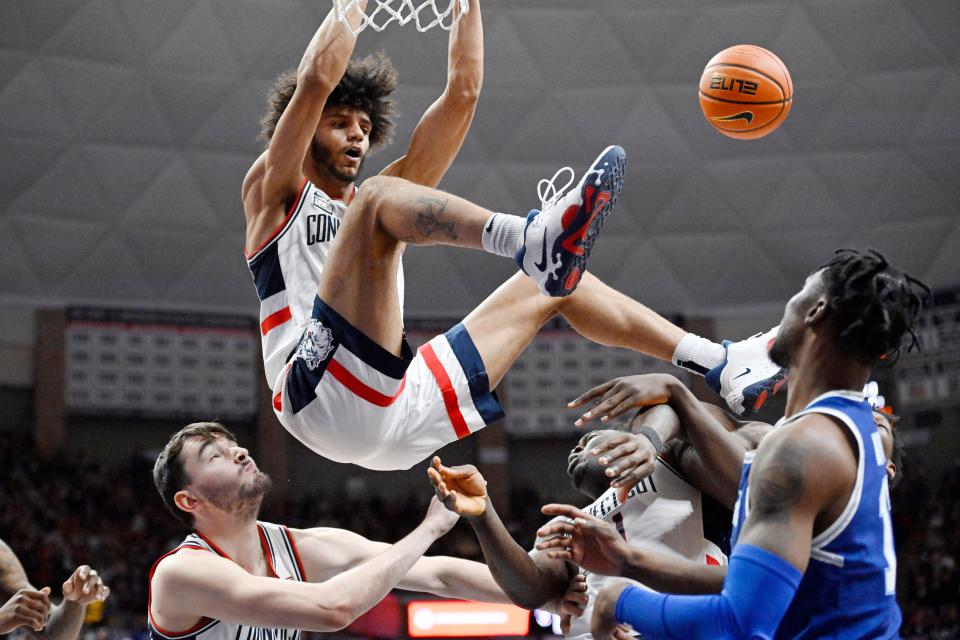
[
  {"x": 429, "y": 218},
  {"x": 779, "y": 484}
]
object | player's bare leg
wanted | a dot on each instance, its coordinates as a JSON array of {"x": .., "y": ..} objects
[
  {"x": 360, "y": 278},
  {"x": 551, "y": 245},
  {"x": 505, "y": 323}
]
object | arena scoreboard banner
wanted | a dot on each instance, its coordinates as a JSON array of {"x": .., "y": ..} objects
[{"x": 160, "y": 364}]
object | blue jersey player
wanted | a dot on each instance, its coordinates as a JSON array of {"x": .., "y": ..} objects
[{"x": 813, "y": 552}]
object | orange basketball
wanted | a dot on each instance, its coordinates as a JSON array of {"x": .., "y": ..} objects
[{"x": 745, "y": 92}]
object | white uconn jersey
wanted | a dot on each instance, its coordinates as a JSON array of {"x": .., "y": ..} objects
[
  {"x": 663, "y": 508},
  {"x": 286, "y": 270},
  {"x": 278, "y": 547}
]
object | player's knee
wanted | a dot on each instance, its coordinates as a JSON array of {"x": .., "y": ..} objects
[{"x": 376, "y": 194}]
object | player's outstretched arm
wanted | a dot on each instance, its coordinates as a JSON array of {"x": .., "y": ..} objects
[
  {"x": 720, "y": 453},
  {"x": 194, "y": 584},
  {"x": 788, "y": 492},
  {"x": 326, "y": 552},
  {"x": 716, "y": 472},
  {"x": 529, "y": 581},
  {"x": 31, "y": 608},
  {"x": 278, "y": 172},
  {"x": 23, "y": 605},
  {"x": 83, "y": 587},
  {"x": 443, "y": 127},
  {"x": 594, "y": 544}
]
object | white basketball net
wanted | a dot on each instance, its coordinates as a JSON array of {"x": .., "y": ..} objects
[{"x": 380, "y": 13}]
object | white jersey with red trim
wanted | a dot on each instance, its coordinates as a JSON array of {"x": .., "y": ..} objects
[
  {"x": 286, "y": 270},
  {"x": 281, "y": 553},
  {"x": 664, "y": 508}
]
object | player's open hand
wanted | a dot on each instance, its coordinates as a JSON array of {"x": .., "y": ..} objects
[
  {"x": 461, "y": 489},
  {"x": 28, "y": 608},
  {"x": 616, "y": 397},
  {"x": 85, "y": 586},
  {"x": 604, "y": 623},
  {"x": 627, "y": 459},
  {"x": 582, "y": 539}
]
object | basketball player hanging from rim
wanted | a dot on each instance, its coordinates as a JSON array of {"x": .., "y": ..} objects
[{"x": 344, "y": 380}]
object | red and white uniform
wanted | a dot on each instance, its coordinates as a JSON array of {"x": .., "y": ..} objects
[
  {"x": 335, "y": 389},
  {"x": 280, "y": 551},
  {"x": 664, "y": 508}
]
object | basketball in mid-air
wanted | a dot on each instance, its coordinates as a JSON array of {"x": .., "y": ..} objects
[{"x": 745, "y": 92}]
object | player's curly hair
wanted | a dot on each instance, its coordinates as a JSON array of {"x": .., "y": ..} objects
[
  {"x": 366, "y": 85},
  {"x": 874, "y": 305},
  {"x": 168, "y": 474}
]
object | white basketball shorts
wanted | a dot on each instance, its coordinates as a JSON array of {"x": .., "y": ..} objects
[{"x": 350, "y": 400}]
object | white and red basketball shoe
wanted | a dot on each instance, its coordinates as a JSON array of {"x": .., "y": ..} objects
[{"x": 558, "y": 237}]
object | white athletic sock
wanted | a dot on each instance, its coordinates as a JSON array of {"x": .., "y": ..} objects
[
  {"x": 697, "y": 354},
  {"x": 503, "y": 234}
]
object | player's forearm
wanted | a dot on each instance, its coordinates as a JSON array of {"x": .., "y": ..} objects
[
  {"x": 12, "y": 576},
  {"x": 662, "y": 418},
  {"x": 454, "y": 578},
  {"x": 511, "y": 566},
  {"x": 756, "y": 576},
  {"x": 720, "y": 452},
  {"x": 354, "y": 592},
  {"x": 670, "y": 574},
  {"x": 66, "y": 619},
  {"x": 328, "y": 53},
  {"x": 465, "y": 56}
]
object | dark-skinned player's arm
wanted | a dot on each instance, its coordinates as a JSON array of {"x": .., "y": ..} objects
[
  {"x": 719, "y": 451},
  {"x": 595, "y": 545},
  {"x": 631, "y": 456},
  {"x": 30, "y": 609},
  {"x": 706, "y": 476},
  {"x": 788, "y": 492},
  {"x": 443, "y": 127},
  {"x": 275, "y": 178},
  {"x": 530, "y": 582}
]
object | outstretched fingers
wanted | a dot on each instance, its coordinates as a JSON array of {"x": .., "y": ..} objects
[
  {"x": 612, "y": 407},
  {"x": 596, "y": 392}
]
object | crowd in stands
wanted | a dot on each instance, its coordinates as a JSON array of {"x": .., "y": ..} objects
[{"x": 66, "y": 511}]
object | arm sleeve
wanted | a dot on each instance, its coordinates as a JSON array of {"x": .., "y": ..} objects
[{"x": 756, "y": 594}]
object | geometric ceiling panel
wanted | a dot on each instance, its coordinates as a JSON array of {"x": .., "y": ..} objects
[
  {"x": 127, "y": 128},
  {"x": 70, "y": 240},
  {"x": 96, "y": 32},
  {"x": 197, "y": 45},
  {"x": 66, "y": 189}
]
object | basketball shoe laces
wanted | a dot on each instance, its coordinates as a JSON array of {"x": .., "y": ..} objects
[{"x": 548, "y": 191}]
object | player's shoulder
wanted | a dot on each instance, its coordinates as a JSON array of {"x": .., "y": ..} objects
[
  {"x": 815, "y": 435},
  {"x": 814, "y": 446},
  {"x": 184, "y": 564}
]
